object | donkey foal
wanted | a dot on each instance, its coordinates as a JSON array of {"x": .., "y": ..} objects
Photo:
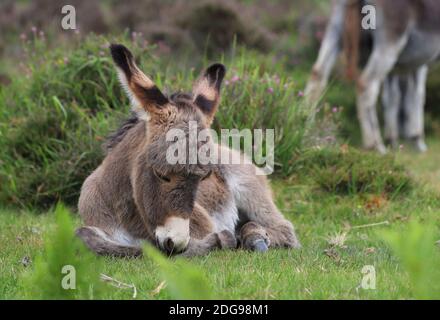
[{"x": 135, "y": 195}]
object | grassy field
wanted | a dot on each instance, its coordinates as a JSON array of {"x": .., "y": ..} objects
[{"x": 337, "y": 232}]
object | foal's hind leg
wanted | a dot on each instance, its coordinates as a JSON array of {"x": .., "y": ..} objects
[
  {"x": 104, "y": 243},
  {"x": 254, "y": 237},
  {"x": 254, "y": 201}
]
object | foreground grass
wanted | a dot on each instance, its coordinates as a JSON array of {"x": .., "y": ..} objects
[{"x": 318, "y": 271}]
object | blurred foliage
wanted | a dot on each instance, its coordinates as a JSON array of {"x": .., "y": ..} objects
[
  {"x": 62, "y": 248},
  {"x": 184, "y": 280},
  {"x": 415, "y": 247}
]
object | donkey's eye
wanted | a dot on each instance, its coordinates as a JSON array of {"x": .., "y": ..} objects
[
  {"x": 207, "y": 175},
  {"x": 161, "y": 177}
]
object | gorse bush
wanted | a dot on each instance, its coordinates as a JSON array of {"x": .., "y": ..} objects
[{"x": 59, "y": 109}]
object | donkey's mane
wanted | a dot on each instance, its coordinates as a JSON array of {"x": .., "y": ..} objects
[
  {"x": 113, "y": 139},
  {"x": 117, "y": 136}
]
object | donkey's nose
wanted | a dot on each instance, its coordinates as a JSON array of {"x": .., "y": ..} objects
[{"x": 168, "y": 245}]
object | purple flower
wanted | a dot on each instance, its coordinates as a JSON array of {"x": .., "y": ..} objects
[
  {"x": 335, "y": 109},
  {"x": 235, "y": 79},
  {"x": 270, "y": 90},
  {"x": 300, "y": 94}
]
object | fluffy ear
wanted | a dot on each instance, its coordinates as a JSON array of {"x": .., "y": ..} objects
[
  {"x": 206, "y": 90},
  {"x": 144, "y": 94}
]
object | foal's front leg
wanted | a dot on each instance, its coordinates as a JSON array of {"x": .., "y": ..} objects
[
  {"x": 213, "y": 241},
  {"x": 203, "y": 239}
]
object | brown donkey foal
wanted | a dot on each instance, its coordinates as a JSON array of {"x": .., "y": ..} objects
[{"x": 135, "y": 195}]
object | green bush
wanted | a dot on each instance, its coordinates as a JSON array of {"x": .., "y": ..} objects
[
  {"x": 54, "y": 118},
  {"x": 52, "y": 123},
  {"x": 349, "y": 171}
]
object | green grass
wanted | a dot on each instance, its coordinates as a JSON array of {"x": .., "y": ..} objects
[{"x": 318, "y": 271}]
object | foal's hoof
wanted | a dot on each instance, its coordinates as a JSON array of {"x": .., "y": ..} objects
[{"x": 259, "y": 245}]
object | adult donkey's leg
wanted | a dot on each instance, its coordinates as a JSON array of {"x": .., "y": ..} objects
[
  {"x": 391, "y": 102},
  {"x": 328, "y": 53},
  {"x": 414, "y": 105},
  {"x": 381, "y": 62}
]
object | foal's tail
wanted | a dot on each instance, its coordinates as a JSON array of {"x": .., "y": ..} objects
[{"x": 102, "y": 243}]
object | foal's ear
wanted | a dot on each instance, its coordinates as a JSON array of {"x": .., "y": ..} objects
[
  {"x": 144, "y": 94},
  {"x": 206, "y": 90}
]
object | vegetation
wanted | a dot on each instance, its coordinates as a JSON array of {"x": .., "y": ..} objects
[{"x": 351, "y": 208}]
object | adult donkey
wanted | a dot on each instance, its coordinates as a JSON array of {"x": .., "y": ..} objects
[
  {"x": 191, "y": 208},
  {"x": 406, "y": 39}
]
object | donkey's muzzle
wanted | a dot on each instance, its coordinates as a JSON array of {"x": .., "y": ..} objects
[
  {"x": 168, "y": 245},
  {"x": 173, "y": 236}
]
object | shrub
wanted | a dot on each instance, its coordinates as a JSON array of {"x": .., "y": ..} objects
[
  {"x": 52, "y": 123},
  {"x": 348, "y": 171}
]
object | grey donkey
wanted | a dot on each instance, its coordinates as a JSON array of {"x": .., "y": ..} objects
[
  {"x": 136, "y": 195},
  {"x": 406, "y": 40}
]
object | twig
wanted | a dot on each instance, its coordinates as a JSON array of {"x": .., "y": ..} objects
[
  {"x": 158, "y": 289},
  {"x": 370, "y": 225},
  {"x": 119, "y": 284}
]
